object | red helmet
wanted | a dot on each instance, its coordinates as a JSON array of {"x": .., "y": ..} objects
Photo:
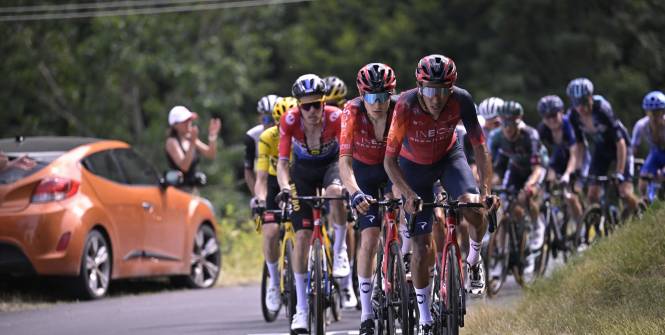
[
  {"x": 376, "y": 77},
  {"x": 438, "y": 69}
]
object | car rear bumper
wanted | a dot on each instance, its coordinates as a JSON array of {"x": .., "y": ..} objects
[{"x": 31, "y": 239}]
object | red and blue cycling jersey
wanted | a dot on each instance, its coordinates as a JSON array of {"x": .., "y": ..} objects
[
  {"x": 292, "y": 136},
  {"x": 358, "y": 138},
  {"x": 416, "y": 136}
]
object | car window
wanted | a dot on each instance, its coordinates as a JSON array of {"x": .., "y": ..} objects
[
  {"x": 137, "y": 169},
  {"x": 103, "y": 164}
]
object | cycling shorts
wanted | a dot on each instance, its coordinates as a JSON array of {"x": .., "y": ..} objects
[
  {"x": 600, "y": 165},
  {"x": 655, "y": 161},
  {"x": 305, "y": 179},
  {"x": 273, "y": 190},
  {"x": 370, "y": 179},
  {"x": 455, "y": 175}
]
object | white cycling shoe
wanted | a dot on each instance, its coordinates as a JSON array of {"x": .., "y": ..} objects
[
  {"x": 349, "y": 300},
  {"x": 299, "y": 324},
  {"x": 273, "y": 299},
  {"x": 341, "y": 266}
]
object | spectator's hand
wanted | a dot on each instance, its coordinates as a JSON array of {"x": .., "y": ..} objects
[
  {"x": 360, "y": 201},
  {"x": 194, "y": 133},
  {"x": 213, "y": 128},
  {"x": 23, "y": 163}
]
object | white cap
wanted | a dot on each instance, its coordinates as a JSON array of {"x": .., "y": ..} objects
[{"x": 179, "y": 114}]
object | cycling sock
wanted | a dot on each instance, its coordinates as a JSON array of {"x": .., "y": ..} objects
[
  {"x": 274, "y": 274},
  {"x": 423, "y": 297},
  {"x": 301, "y": 291},
  {"x": 406, "y": 239},
  {"x": 340, "y": 238},
  {"x": 365, "y": 286},
  {"x": 474, "y": 252}
]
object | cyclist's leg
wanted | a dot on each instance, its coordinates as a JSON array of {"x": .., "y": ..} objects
[
  {"x": 421, "y": 178},
  {"x": 270, "y": 232},
  {"x": 626, "y": 187},
  {"x": 599, "y": 166}
]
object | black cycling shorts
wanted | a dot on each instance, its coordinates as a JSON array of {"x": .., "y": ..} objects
[{"x": 305, "y": 179}]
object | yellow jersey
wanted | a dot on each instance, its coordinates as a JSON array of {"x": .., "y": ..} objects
[{"x": 268, "y": 151}]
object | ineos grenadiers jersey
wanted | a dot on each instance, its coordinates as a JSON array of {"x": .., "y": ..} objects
[
  {"x": 607, "y": 129},
  {"x": 292, "y": 132},
  {"x": 519, "y": 155},
  {"x": 567, "y": 139},
  {"x": 417, "y": 137},
  {"x": 642, "y": 130},
  {"x": 358, "y": 138}
]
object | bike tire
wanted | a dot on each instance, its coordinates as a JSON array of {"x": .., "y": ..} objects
[
  {"x": 592, "y": 221},
  {"x": 398, "y": 298},
  {"x": 498, "y": 255},
  {"x": 268, "y": 315},
  {"x": 289, "y": 289},
  {"x": 453, "y": 299},
  {"x": 317, "y": 320},
  {"x": 520, "y": 249}
]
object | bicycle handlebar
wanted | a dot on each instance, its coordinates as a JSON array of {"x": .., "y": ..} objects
[{"x": 454, "y": 205}]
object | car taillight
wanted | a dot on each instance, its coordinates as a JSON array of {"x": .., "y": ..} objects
[{"x": 54, "y": 189}]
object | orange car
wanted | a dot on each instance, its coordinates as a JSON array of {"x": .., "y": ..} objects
[{"x": 96, "y": 210}]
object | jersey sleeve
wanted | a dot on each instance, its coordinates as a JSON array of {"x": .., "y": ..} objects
[
  {"x": 610, "y": 120},
  {"x": 574, "y": 120},
  {"x": 286, "y": 123},
  {"x": 263, "y": 161},
  {"x": 346, "y": 135},
  {"x": 470, "y": 119},
  {"x": 568, "y": 133},
  {"x": 398, "y": 127},
  {"x": 638, "y": 132},
  {"x": 250, "y": 152}
]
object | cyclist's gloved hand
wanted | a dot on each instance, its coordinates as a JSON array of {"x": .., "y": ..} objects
[
  {"x": 565, "y": 179},
  {"x": 618, "y": 177},
  {"x": 360, "y": 201},
  {"x": 283, "y": 196}
]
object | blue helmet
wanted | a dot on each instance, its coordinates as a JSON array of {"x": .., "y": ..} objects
[
  {"x": 654, "y": 100},
  {"x": 549, "y": 104},
  {"x": 578, "y": 89}
]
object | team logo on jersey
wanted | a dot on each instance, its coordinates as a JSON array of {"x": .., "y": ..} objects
[
  {"x": 306, "y": 223},
  {"x": 290, "y": 119}
]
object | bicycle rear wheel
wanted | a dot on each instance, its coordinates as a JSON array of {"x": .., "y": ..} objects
[
  {"x": 397, "y": 298},
  {"x": 454, "y": 291},
  {"x": 268, "y": 315},
  {"x": 497, "y": 259},
  {"x": 317, "y": 322},
  {"x": 289, "y": 289}
]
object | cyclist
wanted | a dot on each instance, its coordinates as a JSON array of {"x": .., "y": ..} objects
[
  {"x": 520, "y": 160},
  {"x": 488, "y": 110},
  {"x": 266, "y": 189},
  {"x": 654, "y": 132},
  {"x": 593, "y": 120},
  {"x": 557, "y": 135},
  {"x": 264, "y": 106},
  {"x": 365, "y": 123},
  {"x": 310, "y": 131},
  {"x": 422, "y": 134},
  {"x": 335, "y": 91}
]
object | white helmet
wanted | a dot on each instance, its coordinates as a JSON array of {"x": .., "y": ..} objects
[
  {"x": 489, "y": 108},
  {"x": 266, "y": 104}
]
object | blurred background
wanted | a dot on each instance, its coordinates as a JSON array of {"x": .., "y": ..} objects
[{"x": 109, "y": 75}]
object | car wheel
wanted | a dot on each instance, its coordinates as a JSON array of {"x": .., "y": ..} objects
[
  {"x": 95, "y": 273},
  {"x": 206, "y": 260}
]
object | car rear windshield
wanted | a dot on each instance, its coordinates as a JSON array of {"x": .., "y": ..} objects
[{"x": 42, "y": 159}]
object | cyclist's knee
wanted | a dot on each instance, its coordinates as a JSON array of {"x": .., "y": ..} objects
[{"x": 334, "y": 190}]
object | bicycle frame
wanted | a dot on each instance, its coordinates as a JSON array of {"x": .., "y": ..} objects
[
  {"x": 391, "y": 234},
  {"x": 452, "y": 219},
  {"x": 289, "y": 235}
]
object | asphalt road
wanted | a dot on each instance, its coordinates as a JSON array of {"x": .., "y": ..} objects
[{"x": 227, "y": 310}]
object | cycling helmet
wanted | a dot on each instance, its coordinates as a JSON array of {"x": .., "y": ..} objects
[
  {"x": 266, "y": 104},
  {"x": 511, "y": 109},
  {"x": 549, "y": 104},
  {"x": 308, "y": 85},
  {"x": 438, "y": 69},
  {"x": 579, "y": 88},
  {"x": 654, "y": 100},
  {"x": 376, "y": 78},
  {"x": 282, "y": 106},
  {"x": 489, "y": 108},
  {"x": 335, "y": 88}
]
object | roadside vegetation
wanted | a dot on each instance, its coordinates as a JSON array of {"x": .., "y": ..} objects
[{"x": 615, "y": 287}]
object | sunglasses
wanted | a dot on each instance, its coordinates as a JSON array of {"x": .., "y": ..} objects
[
  {"x": 372, "y": 98},
  {"x": 267, "y": 119},
  {"x": 551, "y": 115},
  {"x": 579, "y": 101},
  {"x": 508, "y": 122},
  {"x": 310, "y": 105},
  {"x": 433, "y": 91}
]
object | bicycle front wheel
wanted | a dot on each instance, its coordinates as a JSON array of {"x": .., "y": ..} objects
[
  {"x": 397, "y": 298},
  {"x": 454, "y": 292},
  {"x": 289, "y": 290},
  {"x": 317, "y": 293},
  {"x": 268, "y": 315}
]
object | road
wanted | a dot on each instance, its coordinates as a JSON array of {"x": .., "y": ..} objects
[{"x": 225, "y": 310}]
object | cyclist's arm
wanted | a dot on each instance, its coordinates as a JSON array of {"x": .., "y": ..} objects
[
  {"x": 396, "y": 134},
  {"x": 261, "y": 185},
  {"x": 572, "y": 160},
  {"x": 250, "y": 154},
  {"x": 182, "y": 159},
  {"x": 536, "y": 160},
  {"x": 484, "y": 166},
  {"x": 346, "y": 173},
  {"x": 285, "y": 135},
  {"x": 621, "y": 155}
]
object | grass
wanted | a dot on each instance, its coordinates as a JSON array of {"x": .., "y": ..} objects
[
  {"x": 615, "y": 287},
  {"x": 242, "y": 253}
]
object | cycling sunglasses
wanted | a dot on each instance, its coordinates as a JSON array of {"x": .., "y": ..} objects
[
  {"x": 579, "y": 101},
  {"x": 267, "y": 119},
  {"x": 434, "y": 91},
  {"x": 372, "y": 98},
  {"x": 310, "y": 105},
  {"x": 551, "y": 115},
  {"x": 507, "y": 122}
]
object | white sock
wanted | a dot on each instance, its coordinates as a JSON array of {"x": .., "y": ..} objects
[
  {"x": 274, "y": 274},
  {"x": 474, "y": 252},
  {"x": 301, "y": 292},
  {"x": 340, "y": 238},
  {"x": 365, "y": 285},
  {"x": 423, "y": 297},
  {"x": 406, "y": 239}
]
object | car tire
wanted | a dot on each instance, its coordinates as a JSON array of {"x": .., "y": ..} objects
[
  {"x": 94, "y": 276},
  {"x": 206, "y": 261}
]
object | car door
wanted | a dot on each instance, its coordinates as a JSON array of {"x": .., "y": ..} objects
[
  {"x": 164, "y": 240},
  {"x": 120, "y": 204}
]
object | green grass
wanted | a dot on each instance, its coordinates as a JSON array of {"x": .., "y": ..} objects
[
  {"x": 242, "y": 253},
  {"x": 615, "y": 287}
]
